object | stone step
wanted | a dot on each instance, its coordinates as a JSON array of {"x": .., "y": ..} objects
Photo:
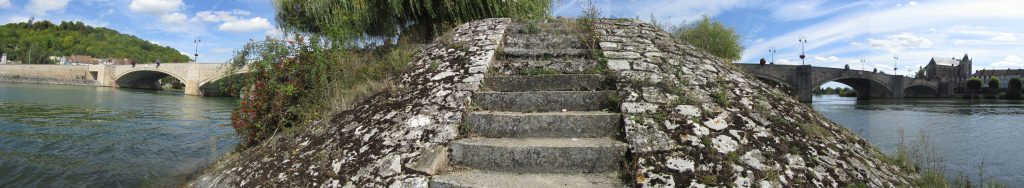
[
  {"x": 519, "y": 66},
  {"x": 543, "y": 54},
  {"x": 544, "y": 101},
  {"x": 546, "y": 124},
  {"x": 548, "y": 155},
  {"x": 478, "y": 178},
  {"x": 554, "y": 82},
  {"x": 543, "y": 41}
]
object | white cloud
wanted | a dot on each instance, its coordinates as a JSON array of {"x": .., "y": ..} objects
[
  {"x": 155, "y": 7},
  {"x": 215, "y": 16},
  {"x": 786, "y": 62},
  {"x": 1005, "y": 37},
  {"x": 240, "y": 12},
  {"x": 912, "y": 3},
  {"x": 899, "y": 42},
  {"x": 246, "y": 25},
  {"x": 797, "y": 11},
  {"x": 1011, "y": 62},
  {"x": 5, "y": 3},
  {"x": 40, "y": 7},
  {"x": 827, "y": 59},
  {"x": 17, "y": 19},
  {"x": 275, "y": 33},
  {"x": 174, "y": 18}
]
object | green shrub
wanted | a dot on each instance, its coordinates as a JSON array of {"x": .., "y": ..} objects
[
  {"x": 1014, "y": 84},
  {"x": 974, "y": 83},
  {"x": 299, "y": 82},
  {"x": 993, "y": 83}
]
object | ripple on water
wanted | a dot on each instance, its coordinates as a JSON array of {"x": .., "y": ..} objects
[
  {"x": 963, "y": 132},
  {"x": 92, "y": 137}
]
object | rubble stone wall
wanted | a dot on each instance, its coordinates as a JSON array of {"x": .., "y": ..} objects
[{"x": 692, "y": 119}]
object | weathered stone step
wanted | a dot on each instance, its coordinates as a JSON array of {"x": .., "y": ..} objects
[
  {"x": 478, "y": 178},
  {"x": 548, "y": 155},
  {"x": 545, "y": 53},
  {"x": 544, "y": 101},
  {"x": 554, "y": 82},
  {"x": 517, "y": 66},
  {"x": 546, "y": 124},
  {"x": 543, "y": 41}
]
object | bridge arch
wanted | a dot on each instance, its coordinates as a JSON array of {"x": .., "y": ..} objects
[
  {"x": 920, "y": 91},
  {"x": 867, "y": 87},
  {"x": 144, "y": 78},
  {"x": 214, "y": 86}
]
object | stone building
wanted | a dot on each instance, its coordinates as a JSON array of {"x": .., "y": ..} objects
[
  {"x": 1004, "y": 76},
  {"x": 949, "y": 71}
]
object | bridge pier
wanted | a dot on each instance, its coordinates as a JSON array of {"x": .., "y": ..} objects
[
  {"x": 804, "y": 84},
  {"x": 897, "y": 87}
]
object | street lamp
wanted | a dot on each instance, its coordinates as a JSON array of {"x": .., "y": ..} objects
[
  {"x": 196, "y": 59},
  {"x": 862, "y": 61},
  {"x": 772, "y": 50},
  {"x": 803, "y": 40},
  {"x": 894, "y": 59}
]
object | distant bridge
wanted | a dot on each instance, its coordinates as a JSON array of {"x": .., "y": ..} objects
[
  {"x": 199, "y": 78},
  {"x": 801, "y": 80}
]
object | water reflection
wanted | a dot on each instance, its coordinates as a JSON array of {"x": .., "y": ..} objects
[
  {"x": 965, "y": 132},
  {"x": 59, "y": 136}
]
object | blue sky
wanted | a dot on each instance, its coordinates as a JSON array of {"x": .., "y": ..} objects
[{"x": 839, "y": 32}]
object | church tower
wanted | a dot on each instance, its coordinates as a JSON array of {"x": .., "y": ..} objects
[{"x": 965, "y": 67}]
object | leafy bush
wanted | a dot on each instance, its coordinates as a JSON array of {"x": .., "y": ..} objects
[
  {"x": 1014, "y": 84},
  {"x": 993, "y": 83},
  {"x": 299, "y": 82},
  {"x": 1013, "y": 88},
  {"x": 974, "y": 84},
  {"x": 713, "y": 36}
]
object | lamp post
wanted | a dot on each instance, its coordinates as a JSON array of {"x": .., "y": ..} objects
[
  {"x": 196, "y": 59},
  {"x": 803, "y": 40},
  {"x": 894, "y": 60},
  {"x": 862, "y": 61},
  {"x": 772, "y": 50}
]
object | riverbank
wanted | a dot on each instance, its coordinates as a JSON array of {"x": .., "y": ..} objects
[
  {"x": 47, "y": 74},
  {"x": 37, "y": 80}
]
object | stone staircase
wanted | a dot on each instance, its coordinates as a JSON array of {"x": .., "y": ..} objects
[{"x": 540, "y": 130}]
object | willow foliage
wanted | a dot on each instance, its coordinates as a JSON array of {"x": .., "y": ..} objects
[{"x": 348, "y": 21}]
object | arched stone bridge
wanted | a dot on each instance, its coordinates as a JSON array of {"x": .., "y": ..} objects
[
  {"x": 199, "y": 78},
  {"x": 801, "y": 80}
]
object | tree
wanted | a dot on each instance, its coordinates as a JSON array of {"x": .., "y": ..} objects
[
  {"x": 712, "y": 36},
  {"x": 1013, "y": 88},
  {"x": 993, "y": 83},
  {"x": 354, "y": 21},
  {"x": 974, "y": 84},
  {"x": 36, "y": 42}
]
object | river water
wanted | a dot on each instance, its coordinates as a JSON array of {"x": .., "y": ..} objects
[
  {"x": 964, "y": 133},
  {"x": 80, "y": 136}
]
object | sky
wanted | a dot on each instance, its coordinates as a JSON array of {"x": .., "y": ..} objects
[{"x": 838, "y": 32}]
